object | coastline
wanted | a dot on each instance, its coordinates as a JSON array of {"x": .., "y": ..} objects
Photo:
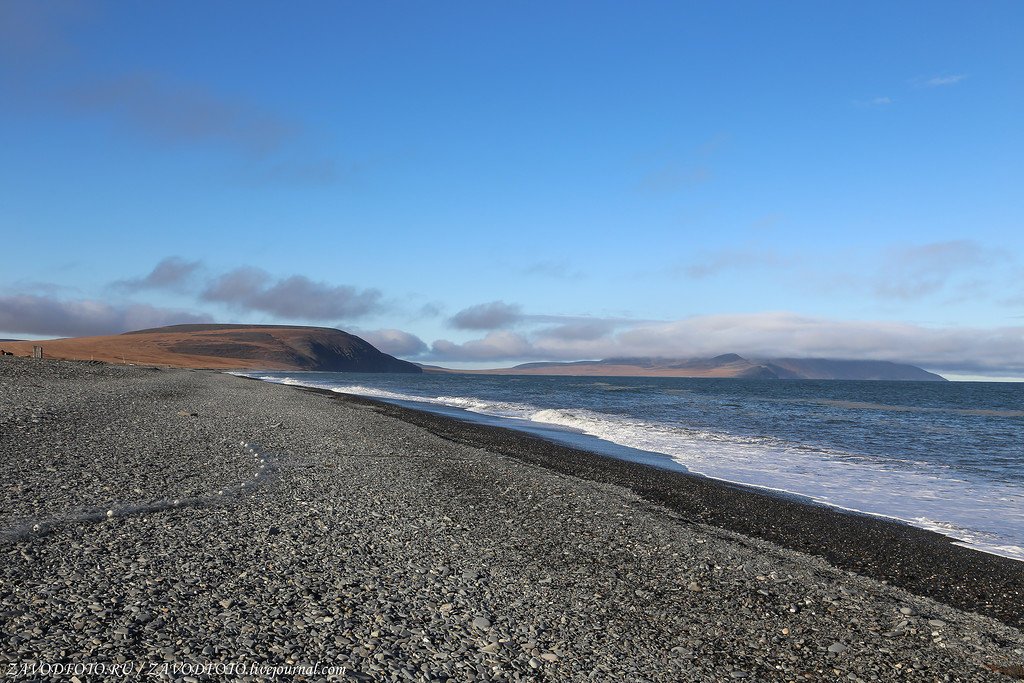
[
  {"x": 900, "y": 452},
  {"x": 924, "y": 562},
  {"x": 392, "y": 545}
]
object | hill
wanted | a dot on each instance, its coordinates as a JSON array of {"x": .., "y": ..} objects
[
  {"x": 227, "y": 347},
  {"x": 728, "y": 365}
]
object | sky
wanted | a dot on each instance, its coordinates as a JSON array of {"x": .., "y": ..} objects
[{"x": 480, "y": 184}]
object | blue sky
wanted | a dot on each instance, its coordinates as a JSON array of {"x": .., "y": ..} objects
[{"x": 487, "y": 183}]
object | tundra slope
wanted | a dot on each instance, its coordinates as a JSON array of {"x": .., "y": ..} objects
[{"x": 228, "y": 347}]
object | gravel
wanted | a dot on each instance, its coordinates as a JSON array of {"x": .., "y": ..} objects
[{"x": 373, "y": 545}]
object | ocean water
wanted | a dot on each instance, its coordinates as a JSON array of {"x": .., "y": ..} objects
[{"x": 944, "y": 456}]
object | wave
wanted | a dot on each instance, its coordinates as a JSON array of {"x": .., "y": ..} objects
[
  {"x": 863, "y": 405},
  {"x": 984, "y": 515}
]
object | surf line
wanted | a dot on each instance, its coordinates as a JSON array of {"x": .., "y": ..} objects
[{"x": 32, "y": 529}]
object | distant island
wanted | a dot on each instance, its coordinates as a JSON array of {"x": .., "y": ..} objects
[
  {"x": 729, "y": 365},
  {"x": 227, "y": 347},
  {"x": 297, "y": 347}
]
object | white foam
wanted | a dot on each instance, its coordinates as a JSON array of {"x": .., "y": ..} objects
[
  {"x": 984, "y": 515},
  {"x": 980, "y": 514}
]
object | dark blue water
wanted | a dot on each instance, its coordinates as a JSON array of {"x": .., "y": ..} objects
[{"x": 946, "y": 456}]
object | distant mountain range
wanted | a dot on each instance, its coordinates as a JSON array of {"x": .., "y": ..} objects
[
  {"x": 726, "y": 365},
  {"x": 227, "y": 347},
  {"x": 295, "y": 347}
]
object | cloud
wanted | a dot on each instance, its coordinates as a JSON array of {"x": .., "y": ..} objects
[
  {"x": 295, "y": 297},
  {"x": 743, "y": 258},
  {"x": 395, "y": 342},
  {"x": 918, "y": 271},
  {"x": 496, "y": 346},
  {"x": 996, "y": 351},
  {"x": 183, "y": 113},
  {"x": 490, "y": 316},
  {"x": 37, "y": 315},
  {"x": 46, "y": 67},
  {"x": 558, "y": 270},
  {"x": 882, "y": 101},
  {"x": 579, "y": 330},
  {"x": 1015, "y": 296},
  {"x": 767, "y": 222},
  {"x": 431, "y": 309},
  {"x": 940, "y": 81},
  {"x": 34, "y": 32},
  {"x": 782, "y": 334},
  {"x": 673, "y": 176},
  {"x": 172, "y": 273},
  {"x": 669, "y": 170}
]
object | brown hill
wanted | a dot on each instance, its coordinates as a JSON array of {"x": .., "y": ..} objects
[{"x": 227, "y": 347}]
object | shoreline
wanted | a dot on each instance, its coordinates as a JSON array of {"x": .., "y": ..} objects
[
  {"x": 604, "y": 447},
  {"x": 924, "y": 562},
  {"x": 393, "y": 545},
  {"x": 910, "y": 479}
]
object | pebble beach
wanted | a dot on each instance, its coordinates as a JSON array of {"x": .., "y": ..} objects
[{"x": 191, "y": 525}]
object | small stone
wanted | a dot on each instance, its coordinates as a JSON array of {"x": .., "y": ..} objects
[
  {"x": 227, "y": 603},
  {"x": 482, "y": 623},
  {"x": 549, "y": 657},
  {"x": 694, "y": 586},
  {"x": 110, "y": 513},
  {"x": 736, "y": 673},
  {"x": 536, "y": 663},
  {"x": 907, "y": 611},
  {"x": 936, "y": 623},
  {"x": 837, "y": 648}
]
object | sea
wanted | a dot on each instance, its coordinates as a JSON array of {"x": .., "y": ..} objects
[{"x": 944, "y": 456}]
